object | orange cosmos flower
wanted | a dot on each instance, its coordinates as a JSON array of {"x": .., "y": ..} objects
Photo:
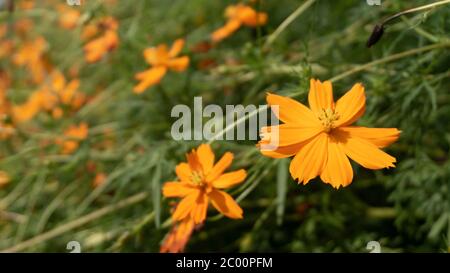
[
  {"x": 68, "y": 17},
  {"x": 26, "y": 111},
  {"x": 239, "y": 15},
  {"x": 161, "y": 59},
  {"x": 31, "y": 55},
  {"x": 321, "y": 137},
  {"x": 73, "y": 135},
  {"x": 200, "y": 180},
  {"x": 108, "y": 41},
  {"x": 178, "y": 236}
]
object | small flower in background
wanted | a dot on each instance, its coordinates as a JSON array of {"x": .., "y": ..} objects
[
  {"x": 99, "y": 179},
  {"x": 51, "y": 97},
  {"x": 23, "y": 27},
  {"x": 68, "y": 17},
  {"x": 238, "y": 15},
  {"x": 201, "y": 181},
  {"x": 4, "y": 179},
  {"x": 161, "y": 59},
  {"x": 321, "y": 139},
  {"x": 26, "y": 111},
  {"x": 97, "y": 48},
  {"x": 31, "y": 55},
  {"x": 72, "y": 137},
  {"x": 177, "y": 238}
]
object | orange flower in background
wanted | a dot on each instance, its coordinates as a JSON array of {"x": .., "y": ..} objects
[
  {"x": 51, "y": 96},
  {"x": 321, "y": 139},
  {"x": 100, "y": 46},
  {"x": 23, "y": 26},
  {"x": 98, "y": 180},
  {"x": 72, "y": 137},
  {"x": 161, "y": 59},
  {"x": 31, "y": 55},
  {"x": 68, "y": 17},
  {"x": 201, "y": 181},
  {"x": 178, "y": 236},
  {"x": 239, "y": 15}
]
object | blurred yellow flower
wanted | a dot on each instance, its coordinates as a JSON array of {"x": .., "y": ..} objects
[
  {"x": 68, "y": 17},
  {"x": 53, "y": 94},
  {"x": 201, "y": 181},
  {"x": 238, "y": 15},
  {"x": 161, "y": 59},
  {"x": 72, "y": 137},
  {"x": 321, "y": 139},
  {"x": 31, "y": 55},
  {"x": 109, "y": 40}
]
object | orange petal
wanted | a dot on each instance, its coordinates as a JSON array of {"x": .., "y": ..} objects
[
  {"x": 194, "y": 162},
  {"x": 178, "y": 64},
  {"x": 185, "y": 206},
  {"x": 225, "y": 204},
  {"x": 177, "y": 189},
  {"x": 286, "y": 134},
  {"x": 351, "y": 106},
  {"x": 183, "y": 172},
  {"x": 151, "y": 55},
  {"x": 320, "y": 95},
  {"x": 292, "y": 111},
  {"x": 230, "y": 27},
  {"x": 198, "y": 212},
  {"x": 206, "y": 157},
  {"x": 311, "y": 159},
  {"x": 220, "y": 167},
  {"x": 337, "y": 171},
  {"x": 149, "y": 77},
  {"x": 380, "y": 137},
  {"x": 257, "y": 19},
  {"x": 281, "y": 152},
  {"x": 176, "y": 48},
  {"x": 229, "y": 179},
  {"x": 364, "y": 152}
]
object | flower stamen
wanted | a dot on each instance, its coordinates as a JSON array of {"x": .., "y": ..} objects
[
  {"x": 197, "y": 179},
  {"x": 328, "y": 117}
]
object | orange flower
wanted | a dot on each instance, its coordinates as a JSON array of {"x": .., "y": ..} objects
[
  {"x": 200, "y": 180},
  {"x": 108, "y": 41},
  {"x": 4, "y": 179},
  {"x": 321, "y": 138},
  {"x": 31, "y": 55},
  {"x": 68, "y": 17},
  {"x": 49, "y": 96},
  {"x": 25, "y": 112},
  {"x": 161, "y": 59},
  {"x": 239, "y": 15},
  {"x": 99, "y": 179},
  {"x": 72, "y": 137},
  {"x": 178, "y": 236}
]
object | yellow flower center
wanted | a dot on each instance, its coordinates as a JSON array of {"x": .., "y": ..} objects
[
  {"x": 197, "y": 179},
  {"x": 328, "y": 117}
]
